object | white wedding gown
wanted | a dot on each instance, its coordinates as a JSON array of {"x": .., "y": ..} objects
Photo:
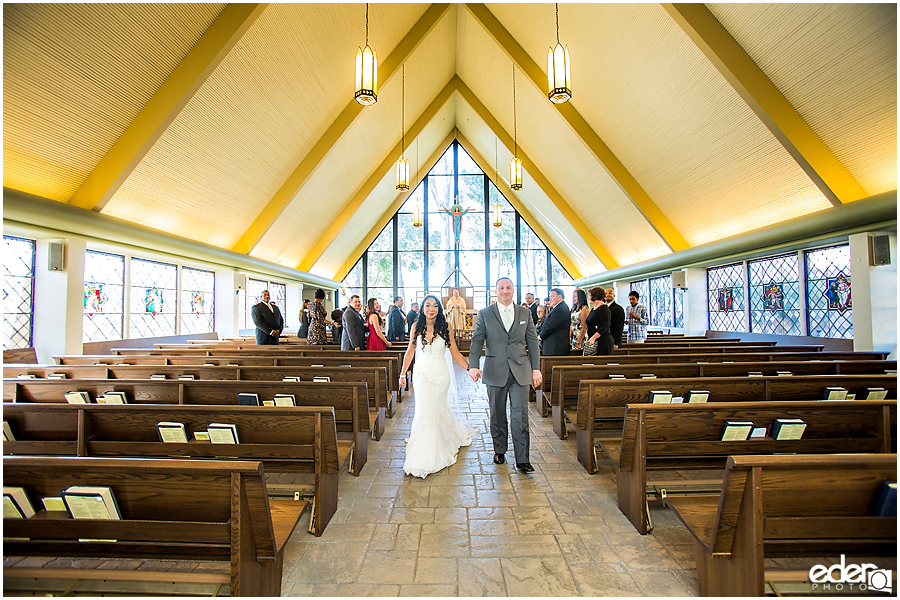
[{"x": 436, "y": 434}]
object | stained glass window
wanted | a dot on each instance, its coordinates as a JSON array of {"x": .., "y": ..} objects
[
  {"x": 152, "y": 298},
  {"x": 278, "y": 296},
  {"x": 726, "y": 297},
  {"x": 104, "y": 296},
  {"x": 661, "y": 303},
  {"x": 642, "y": 287},
  {"x": 18, "y": 292},
  {"x": 679, "y": 307},
  {"x": 828, "y": 298},
  {"x": 427, "y": 256},
  {"x": 775, "y": 295},
  {"x": 198, "y": 301}
]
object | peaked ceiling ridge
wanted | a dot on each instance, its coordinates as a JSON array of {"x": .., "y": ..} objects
[
  {"x": 582, "y": 129},
  {"x": 313, "y": 159}
]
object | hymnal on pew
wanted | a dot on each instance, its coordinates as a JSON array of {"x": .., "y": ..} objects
[
  {"x": 696, "y": 396},
  {"x": 736, "y": 431},
  {"x": 246, "y": 399},
  {"x": 285, "y": 400},
  {"x": 222, "y": 433},
  {"x": 172, "y": 432},
  {"x": 158, "y": 376},
  {"x": 783, "y": 373},
  {"x": 754, "y": 374},
  {"x": 876, "y": 393},
  {"x": 886, "y": 503},
  {"x": 322, "y": 379},
  {"x": 26, "y": 376},
  {"x": 56, "y": 376},
  {"x": 91, "y": 502},
  {"x": 16, "y": 504},
  {"x": 7, "y": 433},
  {"x": 291, "y": 378},
  {"x": 647, "y": 376},
  {"x": 186, "y": 377},
  {"x": 660, "y": 397},
  {"x": 834, "y": 393},
  {"x": 616, "y": 376},
  {"x": 78, "y": 398},
  {"x": 112, "y": 398},
  {"x": 788, "y": 429}
]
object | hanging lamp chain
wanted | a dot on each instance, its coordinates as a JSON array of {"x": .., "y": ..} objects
[
  {"x": 367, "y": 25},
  {"x": 403, "y": 113},
  {"x": 557, "y": 22},
  {"x": 515, "y": 131}
]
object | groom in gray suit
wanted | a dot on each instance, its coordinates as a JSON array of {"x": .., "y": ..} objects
[{"x": 508, "y": 371}]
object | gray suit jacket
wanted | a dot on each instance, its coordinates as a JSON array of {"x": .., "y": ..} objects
[
  {"x": 505, "y": 350},
  {"x": 354, "y": 334}
]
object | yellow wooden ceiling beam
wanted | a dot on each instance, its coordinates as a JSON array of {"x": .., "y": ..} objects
[
  {"x": 351, "y": 260},
  {"x": 532, "y": 169},
  {"x": 628, "y": 184},
  {"x": 317, "y": 154},
  {"x": 767, "y": 101},
  {"x": 390, "y": 160},
  {"x": 561, "y": 256},
  {"x": 172, "y": 96}
]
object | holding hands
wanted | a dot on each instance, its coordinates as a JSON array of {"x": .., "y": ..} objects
[{"x": 475, "y": 374}]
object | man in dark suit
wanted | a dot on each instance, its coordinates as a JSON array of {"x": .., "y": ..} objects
[
  {"x": 268, "y": 320},
  {"x": 555, "y": 339},
  {"x": 396, "y": 321},
  {"x": 617, "y": 317},
  {"x": 412, "y": 316},
  {"x": 354, "y": 334},
  {"x": 531, "y": 305}
]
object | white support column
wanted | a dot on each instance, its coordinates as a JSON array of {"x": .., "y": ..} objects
[
  {"x": 226, "y": 317},
  {"x": 874, "y": 298},
  {"x": 293, "y": 303},
  {"x": 696, "y": 302},
  {"x": 58, "y": 301}
]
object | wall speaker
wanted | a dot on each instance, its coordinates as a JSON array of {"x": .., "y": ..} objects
[
  {"x": 56, "y": 260},
  {"x": 679, "y": 279},
  {"x": 879, "y": 250},
  {"x": 240, "y": 282}
]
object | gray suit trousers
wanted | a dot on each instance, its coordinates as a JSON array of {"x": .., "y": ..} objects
[{"x": 518, "y": 418}]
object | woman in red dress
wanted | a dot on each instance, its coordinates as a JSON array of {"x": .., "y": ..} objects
[{"x": 377, "y": 341}]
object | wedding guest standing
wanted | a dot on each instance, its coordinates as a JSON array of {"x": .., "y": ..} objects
[
  {"x": 598, "y": 340},
  {"x": 412, "y": 316},
  {"x": 555, "y": 339},
  {"x": 354, "y": 334},
  {"x": 317, "y": 320},
  {"x": 377, "y": 341},
  {"x": 580, "y": 311},
  {"x": 303, "y": 331},
  {"x": 268, "y": 321},
  {"x": 396, "y": 326},
  {"x": 337, "y": 326},
  {"x": 617, "y": 317},
  {"x": 637, "y": 319}
]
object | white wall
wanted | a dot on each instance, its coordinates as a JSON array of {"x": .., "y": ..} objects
[
  {"x": 874, "y": 297},
  {"x": 58, "y": 301}
]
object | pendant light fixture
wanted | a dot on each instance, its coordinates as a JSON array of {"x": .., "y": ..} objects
[
  {"x": 515, "y": 165},
  {"x": 559, "y": 73},
  {"x": 403, "y": 164},
  {"x": 366, "y": 71},
  {"x": 497, "y": 219}
]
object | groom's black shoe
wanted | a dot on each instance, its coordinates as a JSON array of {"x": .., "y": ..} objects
[
  {"x": 499, "y": 459},
  {"x": 525, "y": 467}
]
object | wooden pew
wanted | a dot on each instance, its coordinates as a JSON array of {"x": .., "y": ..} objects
[
  {"x": 602, "y": 402},
  {"x": 286, "y": 440},
  {"x": 783, "y": 505},
  {"x": 673, "y": 437},
  {"x": 375, "y": 378},
  {"x": 548, "y": 362},
  {"x": 762, "y": 347},
  {"x": 108, "y": 359},
  {"x": 348, "y": 399},
  {"x": 171, "y": 509},
  {"x": 565, "y": 379},
  {"x": 20, "y": 355}
]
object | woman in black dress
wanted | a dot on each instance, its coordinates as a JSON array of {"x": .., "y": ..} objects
[
  {"x": 303, "y": 331},
  {"x": 337, "y": 326},
  {"x": 598, "y": 339}
]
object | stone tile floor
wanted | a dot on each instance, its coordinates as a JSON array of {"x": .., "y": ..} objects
[{"x": 480, "y": 529}]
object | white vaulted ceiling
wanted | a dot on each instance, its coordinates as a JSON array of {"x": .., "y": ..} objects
[{"x": 269, "y": 155}]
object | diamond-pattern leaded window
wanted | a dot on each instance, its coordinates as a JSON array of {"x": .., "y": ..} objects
[
  {"x": 18, "y": 292},
  {"x": 198, "y": 300},
  {"x": 775, "y": 295},
  {"x": 642, "y": 287},
  {"x": 828, "y": 299},
  {"x": 679, "y": 307},
  {"x": 152, "y": 298},
  {"x": 278, "y": 296},
  {"x": 104, "y": 296},
  {"x": 726, "y": 297},
  {"x": 661, "y": 301}
]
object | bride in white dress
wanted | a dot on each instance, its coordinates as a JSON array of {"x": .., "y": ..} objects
[{"x": 436, "y": 434}]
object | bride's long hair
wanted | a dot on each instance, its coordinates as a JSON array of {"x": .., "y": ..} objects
[{"x": 440, "y": 322}]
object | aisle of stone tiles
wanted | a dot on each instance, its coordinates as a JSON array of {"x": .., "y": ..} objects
[{"x": 480, "y": 529}]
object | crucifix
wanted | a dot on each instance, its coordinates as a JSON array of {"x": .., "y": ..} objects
[{"x": 456, "y": 212}]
